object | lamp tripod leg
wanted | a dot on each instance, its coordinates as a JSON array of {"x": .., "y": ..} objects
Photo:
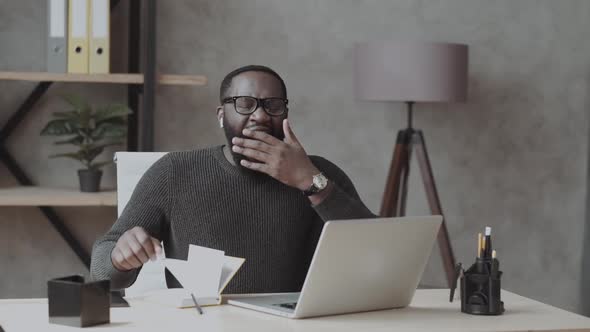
[
  {"x": 444, "y": 242},
  {"x": 405, "y": 174},
  {"x": 391, "y": 205}
]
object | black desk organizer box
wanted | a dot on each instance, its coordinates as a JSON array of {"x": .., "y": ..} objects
[
  {"x": 75, "y": 303},
  {"x": 480, "y": 290}
]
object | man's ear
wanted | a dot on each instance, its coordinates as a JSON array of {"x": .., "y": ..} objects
[{"x": 220, "y": 116}]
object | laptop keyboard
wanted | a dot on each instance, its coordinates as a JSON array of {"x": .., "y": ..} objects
[{"x": 288, "y": 305}]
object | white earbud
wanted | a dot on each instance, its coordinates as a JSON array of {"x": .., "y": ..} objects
[{"x": 220, "y": 123}]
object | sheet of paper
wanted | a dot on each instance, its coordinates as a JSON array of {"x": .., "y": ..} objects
[
  {"x": 201, "y": 272},
  {"x": 230, "y": 266},
  {"x": 151, "y": 277},
  {"x": 209, "y": 263}
]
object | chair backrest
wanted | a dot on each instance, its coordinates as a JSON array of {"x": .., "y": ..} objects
[{"x": 130, "y": 168}]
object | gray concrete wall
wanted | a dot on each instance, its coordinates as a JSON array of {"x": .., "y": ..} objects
[{"x": 513, "y": 157}]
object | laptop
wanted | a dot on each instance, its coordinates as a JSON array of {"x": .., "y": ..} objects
[{"x": 358, "y": 265}]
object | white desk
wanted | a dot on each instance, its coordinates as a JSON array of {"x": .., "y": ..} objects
[{"x": 429, "y": 311}]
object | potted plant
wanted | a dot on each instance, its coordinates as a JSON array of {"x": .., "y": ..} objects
[{"x": 90, "y": 130}]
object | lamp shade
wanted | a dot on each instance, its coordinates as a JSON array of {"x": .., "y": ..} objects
[{"x": 411, "y": 71}]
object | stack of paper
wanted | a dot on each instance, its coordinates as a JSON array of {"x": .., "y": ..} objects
[{"x": 205, "y": 274}]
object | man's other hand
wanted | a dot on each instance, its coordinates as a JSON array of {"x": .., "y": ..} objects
[
  {"x": 134, "y": 248},
  {"x": 285, "y": 160}
]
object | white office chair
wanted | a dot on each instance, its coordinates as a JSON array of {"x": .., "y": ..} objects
[{"x": 130, "y": 168}]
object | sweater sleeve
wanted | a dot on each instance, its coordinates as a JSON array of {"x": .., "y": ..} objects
[
  {"x": 343, "y": 202},
  {"x": 149, "y": 208}
]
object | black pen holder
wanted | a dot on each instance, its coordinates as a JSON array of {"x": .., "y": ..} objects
[
  {"x": 75, "y": 303},
  {"x": 481, "y": 289}
]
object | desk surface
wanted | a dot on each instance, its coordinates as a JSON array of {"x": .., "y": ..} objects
[{"x": 430, "y": 311}]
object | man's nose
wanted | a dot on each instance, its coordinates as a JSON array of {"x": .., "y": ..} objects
[{"x": 260, "y": 115}]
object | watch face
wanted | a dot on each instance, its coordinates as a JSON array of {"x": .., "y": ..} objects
[{"x": 320, "y": 181}]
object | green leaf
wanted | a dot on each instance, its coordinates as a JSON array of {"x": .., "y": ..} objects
[
  {"x": 76, "y": 140},
  {"x": 83, "y": 109},
  {"x": 67, "y": 115},
  {"x": 73, "y": 155},
  {"x": 59, "y": 127},
  {"x": 120, "y": 121},
  {"x": 114, "y": 111},
  {"x": 107, "y": 144},
  {"x": 109, "y": 130},
  {"x": 85, "y": 117}
]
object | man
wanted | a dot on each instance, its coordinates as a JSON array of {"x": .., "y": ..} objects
[{"x": 260, "y": 197}]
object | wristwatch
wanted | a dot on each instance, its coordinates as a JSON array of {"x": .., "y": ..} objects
[{"x": 320, "y": 182}]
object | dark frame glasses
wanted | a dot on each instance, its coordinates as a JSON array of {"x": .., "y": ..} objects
[{"x": 247, "y": 105}]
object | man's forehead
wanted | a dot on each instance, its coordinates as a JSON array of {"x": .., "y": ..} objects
[{"x": 256, "y": 84}]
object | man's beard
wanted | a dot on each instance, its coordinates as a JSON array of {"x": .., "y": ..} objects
[{"x": 237, "y": 157}]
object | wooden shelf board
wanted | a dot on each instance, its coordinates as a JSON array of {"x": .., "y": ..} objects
[
  {"x": 117, "y": 78},
  {"x": 43, "y": 196},
  {"x": 172, "y": 79}
]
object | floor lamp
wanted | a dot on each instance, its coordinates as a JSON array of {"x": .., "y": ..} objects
[{"x": 412, "y": 72}]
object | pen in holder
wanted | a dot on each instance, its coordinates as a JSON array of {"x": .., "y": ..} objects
[{"x": 480, "y": 285}]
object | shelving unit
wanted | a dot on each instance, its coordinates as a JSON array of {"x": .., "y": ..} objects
[
  {"x": 43, "y": 196},
  {"x": 140, "y": 98},
  {"x": 162, "y": 79}
]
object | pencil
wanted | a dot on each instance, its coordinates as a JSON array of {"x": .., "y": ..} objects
[
  {"x": 197, "y": 304},
  {"x": 495, "y": 265},
  {"x": 488, "y": 242},
  {"x": 478, "y": 245},
  {"x": 483, "y": 247}
]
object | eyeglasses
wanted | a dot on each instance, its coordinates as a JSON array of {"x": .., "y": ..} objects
[{"x": 247, "y": 105}]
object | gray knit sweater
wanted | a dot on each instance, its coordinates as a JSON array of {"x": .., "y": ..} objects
[{"x": 199, "y": 197}]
